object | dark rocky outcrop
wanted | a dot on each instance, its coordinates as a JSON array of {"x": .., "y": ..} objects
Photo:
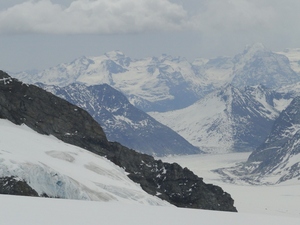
[
  {"x": 48, "y": 114},
  {"x": 170, "y": 182},
  {"x": 14, "y": 186}
]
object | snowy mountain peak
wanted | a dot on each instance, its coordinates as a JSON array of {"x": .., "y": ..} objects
[
  {"x": 114, "y": 54},
  {"x": 82, "y": 61},
  {"x": 119, "y": 57},
  {"x": 228, "y": 119},
  {"x": 254, "y": 48}
]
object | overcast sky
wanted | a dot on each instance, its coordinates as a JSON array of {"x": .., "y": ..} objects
[{"x": 42, "y": 33}]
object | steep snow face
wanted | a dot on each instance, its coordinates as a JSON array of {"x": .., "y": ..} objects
[
  {"x": 57, "y": 169},
  {"x": 226, "y": 120},
  {"x": 205, "y": 123},
  {"x": 122, "y": 122}
]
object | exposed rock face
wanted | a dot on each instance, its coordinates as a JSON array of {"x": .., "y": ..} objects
[
  {"x": 48, "y": 114},
  {"x": 171, "y": 182},
  {"x": 13, "y": 186},
  {"x": 282, "y": 147}
]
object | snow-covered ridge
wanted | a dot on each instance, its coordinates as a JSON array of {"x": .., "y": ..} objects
[
  {"x": 57, "y": 169},
  {"x": 228, "y": 119},
  {"x": 167, "y": 83}
]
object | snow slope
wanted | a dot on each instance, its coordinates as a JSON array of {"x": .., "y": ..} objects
[
  {"x": 35, "y": 211},
  {"x": 61, "y": 170}
]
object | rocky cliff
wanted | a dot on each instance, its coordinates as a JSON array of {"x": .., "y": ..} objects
[{"x": 48, "y": 114}]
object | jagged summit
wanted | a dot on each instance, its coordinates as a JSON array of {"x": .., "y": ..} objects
[
  {"x": 114, "y": 54},
  {"x": 256, "y": 47},
  {"x": 167, "y": 83}
]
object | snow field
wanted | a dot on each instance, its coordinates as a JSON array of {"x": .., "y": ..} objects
[
  {"x": 35, "y": 211},
  {"x": 276, "y": 200}
]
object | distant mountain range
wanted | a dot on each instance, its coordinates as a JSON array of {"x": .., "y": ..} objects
[
  {"x": 220, "y": 105},
  {"x": 168, "y": 83}
]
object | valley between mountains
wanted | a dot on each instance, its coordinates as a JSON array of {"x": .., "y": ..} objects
[{"x": 132, "y": 115}]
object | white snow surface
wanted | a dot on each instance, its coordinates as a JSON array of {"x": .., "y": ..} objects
[
  {"x": 35, "y": 211},
  {"x": 277, "y": 200},
  {"x": 62, "y": 170},
  {"x": 196, "y": 124},
  {"x": 72, "y": 172},
  {"x": 260, "y": 205}
]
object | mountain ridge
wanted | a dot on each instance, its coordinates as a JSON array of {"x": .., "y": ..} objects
[
  {"x": 228, "y": 119},
  {"x": 122, "y": 122},
  {"x": 277, "y": 159},
  {"x": 169, "y": 83},
  {"x": 45, "y": 113}
]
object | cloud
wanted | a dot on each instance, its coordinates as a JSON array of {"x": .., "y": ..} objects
[
  {"x": 208, "y": 17},
  {"x": 233, "y": 15},
  {"x": 92, "y": 16}
]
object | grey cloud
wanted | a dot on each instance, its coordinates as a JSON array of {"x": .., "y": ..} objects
[
  {"x": 92, "y": 16},
  {"x": 137, "y": 16}
]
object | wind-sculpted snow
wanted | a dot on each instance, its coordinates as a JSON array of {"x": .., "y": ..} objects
[{"x": 56, "y": 169}]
